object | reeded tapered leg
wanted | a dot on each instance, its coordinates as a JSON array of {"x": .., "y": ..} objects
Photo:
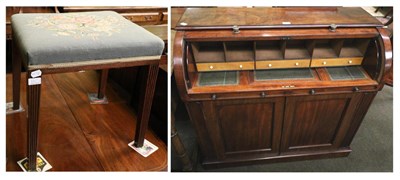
[
  {"x": 102, "y": 84},
  {"x": 33, "y": 98},
  {"x": 145, "y": 102}
]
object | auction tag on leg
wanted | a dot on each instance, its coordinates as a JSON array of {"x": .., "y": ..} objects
[
  {"x": 36, "y": 73},
  {"x": 34, "y": 81},
  {"x": 147, "y": 148},
  {"x": 41, "y": 164}
]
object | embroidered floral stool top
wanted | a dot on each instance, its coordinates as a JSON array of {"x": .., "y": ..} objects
[
  {"x": 57, "y": 43},
  {"x": 75, "y": 37}
]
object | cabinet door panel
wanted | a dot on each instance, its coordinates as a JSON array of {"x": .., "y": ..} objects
[
  {"x": 245, "y": 127},
  {"x": 317, "y": 122}
]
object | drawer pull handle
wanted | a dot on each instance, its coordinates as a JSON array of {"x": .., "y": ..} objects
[
  {"x": 211, "y": 67},
  {"x": 241, "y": 66},
  {"x": 350, "y": 62},
  {"x": 214, "y": 97},
  {"x": 332, "y": 27},
  {"x": 269, "y": 65},
  {"x": 356, "y": 89},
  {"x": 235, "y": 29},
  {"x": 263, "y": 94},
  {"x": 312, "y": 91},
  {"x": 324, "y": 63},
  {"x": 297, "y": 64}
]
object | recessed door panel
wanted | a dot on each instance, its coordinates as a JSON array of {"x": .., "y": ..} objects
[{"x": 317, "y": 122}]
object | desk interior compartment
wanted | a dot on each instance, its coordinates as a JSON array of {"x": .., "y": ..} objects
[
  {"x": 327, "y": 48},
  {"x": 354, "y": 47},
  {"x": 239, "y": 50},
  {"x": 208, "y": 52},
  {"x": 297, "y": 49},
  {"x": 269, "y": 50}
]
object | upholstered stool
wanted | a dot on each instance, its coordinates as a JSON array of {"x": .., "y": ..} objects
[{"x": 57, "y": 43}]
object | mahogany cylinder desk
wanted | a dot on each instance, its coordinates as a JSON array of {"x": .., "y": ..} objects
[{"x": 278, "y": 84}]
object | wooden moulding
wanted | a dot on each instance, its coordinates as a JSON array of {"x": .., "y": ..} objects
[{"x": 94, "y": 65}]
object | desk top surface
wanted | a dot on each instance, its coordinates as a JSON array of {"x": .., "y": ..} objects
[{"x": 218, "y": 18}]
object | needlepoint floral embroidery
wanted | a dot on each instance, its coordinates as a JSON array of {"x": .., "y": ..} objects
[{"x": 79, "y": 25}]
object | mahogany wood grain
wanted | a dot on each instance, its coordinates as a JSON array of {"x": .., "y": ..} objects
[
  {"x": 244, "y": 132},
  {"x": 176, "y": 13},
  {"x": 61, "y": 141},
  {"x": 212, "y": 18},
  {"x": 343, "y": 152},
  {"x": 385, "y": 48},
  {"x": 16, "y": 70},
  {"x": 204, "y": 138},
  {"x": 277, "y": 34},
  {"x": 389, "y": 77},
  {"x": 307, "y": 125},
  {"x": 180, "y": 70},
  {"x": 359, "y": 115}
]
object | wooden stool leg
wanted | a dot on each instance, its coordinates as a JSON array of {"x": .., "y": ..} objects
[
  {"x": 16, "y": 71},
  {"x": 145, "y": 102},
  {"x": 33, "y": 98},
  {"x": 102, "y": 84}
]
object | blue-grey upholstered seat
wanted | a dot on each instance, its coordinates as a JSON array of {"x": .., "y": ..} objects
[{"x": 77, "y": 37}]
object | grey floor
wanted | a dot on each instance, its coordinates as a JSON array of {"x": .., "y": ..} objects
[{"x": 372, "y": 146}]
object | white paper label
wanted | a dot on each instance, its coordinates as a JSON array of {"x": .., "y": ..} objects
[
  {"x": 286, "y": 23},
  {"x": 147, "y": 148},
  {"x": 34, "y": 81},
  {"x": 36, "y": 73},
  {"x": 42, "y": 165}
]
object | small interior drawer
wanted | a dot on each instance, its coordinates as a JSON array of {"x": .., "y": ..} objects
[
  {"x": 336, "y": 62},
  {"x": 279, "y": 64},
  {"x": 225, "y": 66}
]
